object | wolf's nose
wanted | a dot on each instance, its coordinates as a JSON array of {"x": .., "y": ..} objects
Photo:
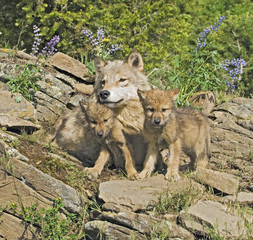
[
  {"x": 104, "y": 94},
  {"x": 157, "y": 121},
  {"x": 100, "y": 134}
]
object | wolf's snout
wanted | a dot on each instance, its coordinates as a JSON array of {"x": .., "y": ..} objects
[
  {"x": 100, "y": 134},
  {"x": 157, "y": 121},
  {"x": 104, "y": 94}
]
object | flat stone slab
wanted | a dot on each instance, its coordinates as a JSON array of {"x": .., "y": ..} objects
[
  {"x": 22, "y": 109},
  {"x": 97, "y": 230},
  {"x": 140, "y": 194},
  {"x": 17, "y": 123},
  {"x": 70, "y": 65},
  {"x": 241, "y": 197},
  {"x": 47, "y": 186},
  {"x": 221, "y": 181},
  {"x": 206, "y": 214}
]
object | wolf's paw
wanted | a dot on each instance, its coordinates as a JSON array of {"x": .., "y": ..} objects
[
  {"x": 144, "y": 174},
  {"x": 172, "y": 176},
  {"x": 133, "y": 175},
  {"x": 92, "y": 173}
]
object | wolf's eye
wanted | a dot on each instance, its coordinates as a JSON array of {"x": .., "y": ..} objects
[
  {"x": 164, "y": 109},
  {"x": 105, "y": 120},
  {"x": 93, "y": 122},
  {"x": 103, "y": 82},
  {"x": 123, "y": 81},
  {"x": 151, "y": 109}
]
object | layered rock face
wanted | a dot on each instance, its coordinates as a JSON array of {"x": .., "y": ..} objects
[{"x": 126, "y": 208}]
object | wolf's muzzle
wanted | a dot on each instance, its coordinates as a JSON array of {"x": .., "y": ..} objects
[{"x": 104, "y": 94}]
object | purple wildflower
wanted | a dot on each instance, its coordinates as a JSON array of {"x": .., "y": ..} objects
[
  {"x": 37, "y": 40},
  {"x": 203, "y": 35},
  {"x": 49, "y": 50},
  {"x": 100, "y": 43},
  {"x": 233, "y": 69},
  {"x": 100, "y": 34},
  {"x": 113, "y": 49},
  {"x": 89, "y": 34}
]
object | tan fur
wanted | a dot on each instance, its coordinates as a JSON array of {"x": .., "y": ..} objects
[
  {"x": 181, "y": 128},
  {"x": 116, "y": 85}
]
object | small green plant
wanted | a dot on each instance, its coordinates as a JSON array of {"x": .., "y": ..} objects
[
  {"x": 26, "y": 82},
  {"x": 28, "y": 137},
  {"x": 160, "y": 231},
  {"x": 175, "y": 202},
  {"x": 51, "y": 225},
  {"x": 213, "y": 232}
]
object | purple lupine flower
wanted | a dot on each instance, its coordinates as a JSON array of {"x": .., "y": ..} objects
[
  {"x": 49, "y": 50},
  {"x": 89, "y": 34},
  {"x": 99, "y": 42},
  {"x": 233, "y": 69},
  {"x": 113, "y": 48},
  {"x": 203, "y": 35},
  {"x": 37, "y": 40},
  {"x": 100, "y": 34}
]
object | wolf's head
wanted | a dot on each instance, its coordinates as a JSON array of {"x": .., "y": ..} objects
[
  {"x": 99, "y": 117},
  {"x": 117, "y": 81},
  {"x": 158, "y": 105}
]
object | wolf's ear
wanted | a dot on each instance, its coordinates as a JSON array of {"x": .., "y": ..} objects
[
  {"x": 83, "y": 102},
  {"x": 174, "y": 93},
  {"x": 142, "y": 95},
  {"x": 99, "y": 63},
  {"x": 135, "y": 60}
]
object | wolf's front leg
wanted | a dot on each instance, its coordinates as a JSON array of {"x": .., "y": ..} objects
[
  {"x": 129, "y": 164},
  {"x": 173, "y": 162},
  {"x": 150, "y": 160},
  {"x": 95, "y": 171}
]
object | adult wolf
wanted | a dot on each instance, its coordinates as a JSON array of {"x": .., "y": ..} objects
[{"x": 116, "y": 85}]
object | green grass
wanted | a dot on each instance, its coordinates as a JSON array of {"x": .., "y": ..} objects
[
  {"x": 174, "y": 202},
  {"x": 26, "y": 82}
]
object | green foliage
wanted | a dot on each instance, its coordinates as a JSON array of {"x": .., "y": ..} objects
[
  {"x": 175, "y": 202},
  {"x": 163, "y": 31},
  {"x": 161, "y": 231},
  {"x": 26, "y": 81},
  {"x": 213, "y": 232},
  {"x": 51, "y": 225}
]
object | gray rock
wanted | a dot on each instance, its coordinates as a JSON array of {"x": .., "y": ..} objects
[
  {"x": 47, "y": 186},
  {"x": 241, "y": 197},
  {"x": 221, "y": 181},
  {"x": 136, "y": 195},
  {"x": 55, "y": 88},
  {"x": 66, "y": 79},
  {"x": 70, "y": 65},
  {"x": 96, "y": 230},
  {"x": 74, "y": 101},
  {"x": 205, "y": 214},
  {"x": 13, "y": 228},
  {"x": 145, "y": 224},
  {"x": 140, "y": 194},
  {"x": 7, "y": 137},
  {"x": 84, "y": 88},
  {"x": 10, "y": 107},
  {"x": 16, "y": 123},
  {"x": 12, "y": 152}
]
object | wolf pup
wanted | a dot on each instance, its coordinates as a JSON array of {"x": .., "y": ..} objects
[
  {"x": 181, "y": 128},
  {"x": 100, "y": 120},
  {"x": 108, "y": 130}
]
